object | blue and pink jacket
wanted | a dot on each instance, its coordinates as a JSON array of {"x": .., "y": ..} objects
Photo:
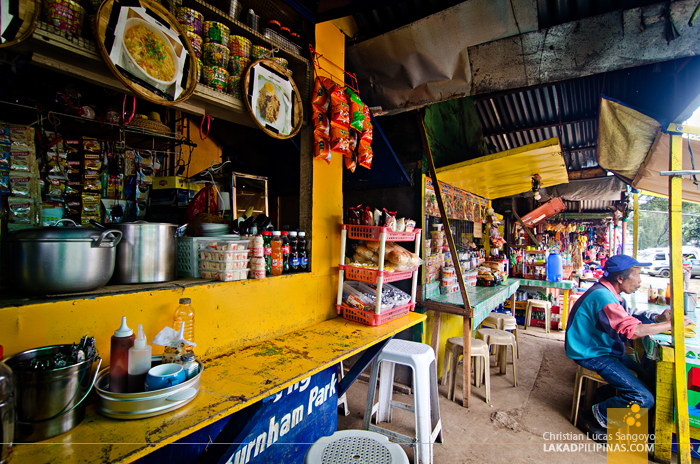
[{"x": 599, "y": 323}]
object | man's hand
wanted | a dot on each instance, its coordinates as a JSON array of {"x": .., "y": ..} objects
[{"x": 667, "y": 316}]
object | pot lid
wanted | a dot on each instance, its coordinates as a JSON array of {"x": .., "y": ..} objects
[{"x": 59, "y": 233}]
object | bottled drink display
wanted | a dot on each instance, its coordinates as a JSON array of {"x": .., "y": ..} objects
[
  {"x": 122, "y": 340},
  {"x": 285, "y": 252},
  {"x": 267, "y": 251},
  {"x": 277, "y": 262},
  {"x": 301, "y": 249},
  {"x": 293, "y": 252}
]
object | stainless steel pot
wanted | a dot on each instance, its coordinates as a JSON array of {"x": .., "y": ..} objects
[
  {"x": 53, "y": 260},
  {"x": 147, "y": 253}
]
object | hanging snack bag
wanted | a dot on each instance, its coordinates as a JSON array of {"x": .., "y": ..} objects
[
  {"x": 357, "y": 115},
  {"x": 365, "y": 154},
  {"x": 322, "y": 149},
  {"x": 340, "y": 111},
  {"x": 320, "y": 119},
  {"x": 351, "y": 161},
  {"x": 21, "y": 184},
  {"x": 367, "y": 126},
  {"x": 320, "y": 96},
  {"x": 21, "y": 210},
  {"x": 340, "y": 140}
]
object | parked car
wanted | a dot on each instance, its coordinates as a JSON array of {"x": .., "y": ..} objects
[
  {"x": 694, "y": 268},
  {"x": 660, "y": 259}
]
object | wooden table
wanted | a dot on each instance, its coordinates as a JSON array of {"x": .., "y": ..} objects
[
  {"x": 659, "y": 348},
  {"x": 483, "y": 300},
  {"x": 229, "y": 383},
  {"x": 565, "y": 285}
]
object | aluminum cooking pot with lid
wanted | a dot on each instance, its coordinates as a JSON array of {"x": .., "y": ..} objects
[
  {"x": 53, "y": 260},
  {"x": 147, "y": 252}
]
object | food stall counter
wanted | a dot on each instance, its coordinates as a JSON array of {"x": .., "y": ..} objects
[
  {"x": 229, "y": 383},
  {"x": 659, "y": 348},
  {"x": 565, "y": 285}
]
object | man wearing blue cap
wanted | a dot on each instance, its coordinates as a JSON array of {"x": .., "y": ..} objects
[{"x": 598, "y": 327}]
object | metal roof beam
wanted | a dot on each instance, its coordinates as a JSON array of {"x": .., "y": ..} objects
[{"x": 538, "y": 126}]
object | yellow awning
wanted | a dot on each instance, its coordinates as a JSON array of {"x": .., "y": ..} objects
[{"x": 509, "y": 172}]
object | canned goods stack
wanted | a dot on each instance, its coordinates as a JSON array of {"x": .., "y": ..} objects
[
  {"x": 65, "y": 15},
  {"x": 239, "y": 60},
  {"x": 191, "y": 22}
]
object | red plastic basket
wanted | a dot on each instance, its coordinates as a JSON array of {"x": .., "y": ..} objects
[
  {"x": 373, "y": 233},
  {"x": 371, "y": 275},
  {"x": 370, "y": 317}
]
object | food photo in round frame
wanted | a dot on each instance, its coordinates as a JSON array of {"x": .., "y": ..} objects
[
  {"x": 273, "y": 100},
  {"x": 146, "y": 49},
  {"x": 18, "y": 20}
]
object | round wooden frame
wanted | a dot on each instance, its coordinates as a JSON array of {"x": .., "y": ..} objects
[
  {"x": 297, "y": 117},
  {"x": 28, "y": 25},
  {"x": 101, "y": 20}
]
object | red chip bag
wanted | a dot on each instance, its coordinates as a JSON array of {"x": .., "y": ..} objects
[
  {"x": 320, "y": 119},
  {"x": 322, "y": 149},
  {"x": 320, "y": 96},
  {"x": 367, "y": 126},
  {"x": 350, "y": 161},
  {"x": 340, "y": 140},
  {"x": 340, "y": 111},
  {"x": 365, "y": 156},
  {"x": 354, "y": 139}
]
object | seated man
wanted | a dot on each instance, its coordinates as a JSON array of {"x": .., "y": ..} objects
[{"x": 598, "y": 326}]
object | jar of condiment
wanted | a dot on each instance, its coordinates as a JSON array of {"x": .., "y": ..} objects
[{"x": 189, "y": 365}]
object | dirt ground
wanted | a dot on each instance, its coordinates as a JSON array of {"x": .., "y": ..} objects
[{"x": 516, "y": 426}]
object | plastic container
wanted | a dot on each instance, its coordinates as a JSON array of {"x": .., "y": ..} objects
[
  {"x": 122, "y": 341},
  {"x": 392, "y": 296},
  {"x": 370, "y": 317},
  {"x": 257, "y": 246},
  {"x": 354, "y": 298},
  {"x": 555, "y": 268},
  {"x": 139, "y": 363},
  {"x": 371, "y": 275},
  {"x": 185, "y": 314},
  {"x": 374, "y": 233},
  {"x": 301, "y": 249},
  {"x": 206, "y": 265},
  {"x": 277, "y": 256},
  {"x": 230, "y": 276}
]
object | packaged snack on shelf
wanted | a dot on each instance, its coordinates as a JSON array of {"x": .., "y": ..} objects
[
  {"x": 370, "y": 296},
  {"x": 355, "y": 215},
  {"x": 354, "y": 298},
  {"x": 322, "y": 148},
  {"x": 232, "y": 255},
  {"x": 357, "y": 115},
  {"x": 401, "y": 225},
  {"x": 389, "y": 219},
  {"x": 233, "y": 245},
  {"x": 389, "y": 294},
  {"x": 21, "y": 158},
  {"x": 320, "y": 96},
  {"x": 367, "y": 218},
  {"x": 377, "y": 218},
  {"x": 21, "y": 210},
  {"x": 207, "y": 274},
  {"x": 21, "y": 183}
]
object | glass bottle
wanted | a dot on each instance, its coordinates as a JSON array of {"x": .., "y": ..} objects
[{"x": 189, "y": 365}]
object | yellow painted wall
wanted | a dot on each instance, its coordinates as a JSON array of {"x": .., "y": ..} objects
[
  {"x": 227, "y": 314},
  {"x": 206, "y": 152}
]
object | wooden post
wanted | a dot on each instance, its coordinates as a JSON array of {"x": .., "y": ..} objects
[
  {"x": 675, "y": 233},
  {"x": 467, "y": 335},
  {"x": 635, "y": 239}
]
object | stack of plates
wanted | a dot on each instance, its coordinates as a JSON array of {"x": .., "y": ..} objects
[{"x": 214, "y": 230}]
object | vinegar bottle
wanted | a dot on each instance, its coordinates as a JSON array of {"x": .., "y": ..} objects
[
  {"x": 184, "y": 314},
  {"x": 277, "y": 254},
  {"x": 139, "y": 363},
  {"x": 122, "y": 340}
]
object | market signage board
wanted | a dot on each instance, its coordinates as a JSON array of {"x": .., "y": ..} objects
[
  {"x": 459, "y": 204},
  {"x": 288, "y": 422},
  {"x": 146, "y": 49}
]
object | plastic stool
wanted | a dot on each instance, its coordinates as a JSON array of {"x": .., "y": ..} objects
[
  {"x": 581, "y": 374},
  {"x": 546, "y": 305},
  {"x": 343, "y": 400},
  {"x": 502, "y": 340},
  {"x": 503, "y": 322},
  {"x": 454, "y": 349},
  {"x": 355, "y": 447},
  {"x": 426, "y": 409}
]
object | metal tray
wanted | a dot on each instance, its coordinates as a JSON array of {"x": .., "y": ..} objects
[{"x": 146, "y": 404}]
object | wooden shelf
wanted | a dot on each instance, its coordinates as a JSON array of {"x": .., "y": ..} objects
[{"x": 56, "y": 50}]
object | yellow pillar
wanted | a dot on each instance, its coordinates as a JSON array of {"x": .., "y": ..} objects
[
  {"x": 675, "y": 190},
  {"x": 635, "y": 239}
]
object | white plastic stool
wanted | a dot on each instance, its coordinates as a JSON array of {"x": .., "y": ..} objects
[
  {"x": 355, "y": 447},
  {"x": 546, "y": 305},
  {"x": 454, "y": 349},
  {"x": 502, "y": 340},
  {"x": 343, "y": 400},
  {"x": 426, "y": 409},
  {"x": 502, "y": 321}
]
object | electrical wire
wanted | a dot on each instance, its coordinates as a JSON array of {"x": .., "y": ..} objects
[
  {"x": 692, "y": 162},
  {"x": 211, "y": 170}
]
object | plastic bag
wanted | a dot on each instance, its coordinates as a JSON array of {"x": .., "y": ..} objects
[
  {"x": 367, "y": 219},
  {"x": 350, "y": 161},
  {"x": 357, "y": 115},
  {"x": 322, "y": 149},
  {"x": 321, "y": 124},
  {"x": 340, "y": 140},
  {"x": 340, "y": 111},
  {"x": 355, "y": 215},
  {"x": 389, "y": 219},
  {"x": 365, "y": 252}
]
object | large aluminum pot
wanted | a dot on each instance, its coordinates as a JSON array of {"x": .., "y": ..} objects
[
  {"x": 53, "y": 260},
  {"x": 147, "y": 253}
]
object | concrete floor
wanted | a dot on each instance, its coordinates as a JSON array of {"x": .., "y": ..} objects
[{"x": 512, "y": 428}]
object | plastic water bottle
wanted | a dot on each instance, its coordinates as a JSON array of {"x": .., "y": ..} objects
[{"x": 555, "y": 268}]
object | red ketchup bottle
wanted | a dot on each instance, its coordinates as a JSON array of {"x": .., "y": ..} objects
[{"x": 122, "y": 340}]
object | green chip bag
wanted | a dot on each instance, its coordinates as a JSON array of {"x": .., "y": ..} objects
[{"x": 357, "y": 114}]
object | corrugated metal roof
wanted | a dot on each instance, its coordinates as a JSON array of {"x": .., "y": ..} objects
[
  {"x": 589, "y": 206},
  {"x": 567, "y": 110}
]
